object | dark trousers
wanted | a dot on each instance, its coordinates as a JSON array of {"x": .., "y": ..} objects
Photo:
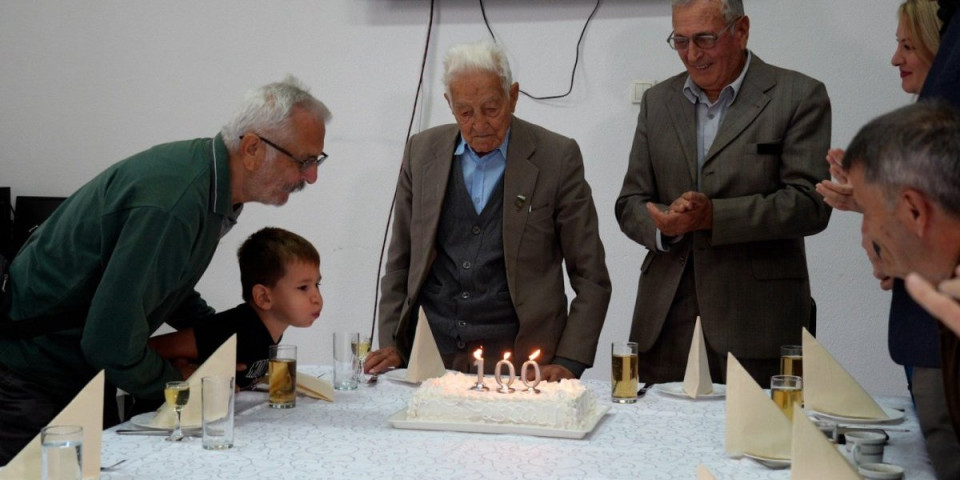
[
  {"x": 25, "y": 408},
  {"x": 666, "y": 361},
  {"x": 941, "y": 441}
]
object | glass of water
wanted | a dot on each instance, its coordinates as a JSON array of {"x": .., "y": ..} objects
[{"x": 62, "y": 452}]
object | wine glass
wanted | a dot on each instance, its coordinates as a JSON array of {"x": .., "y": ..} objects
[
  {"x": 177, "y": 395},
  {"x": 360, "y": 348}
]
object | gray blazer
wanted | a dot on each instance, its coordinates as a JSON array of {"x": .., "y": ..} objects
[
  {"x": 555, "y": 223},
  {"x": 751, "y": 268}
]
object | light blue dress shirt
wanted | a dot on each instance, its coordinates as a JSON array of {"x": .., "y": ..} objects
[
  {"x": 481, "y": 174},
  {"x": 709, "y": 117}
]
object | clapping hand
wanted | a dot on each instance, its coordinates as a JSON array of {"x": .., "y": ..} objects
[
  {"x": 691, "y": 212},
  {"x": 838, "y": 193}
]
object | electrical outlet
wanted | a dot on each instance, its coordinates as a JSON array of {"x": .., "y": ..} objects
[{"x": 640, "y": 86}]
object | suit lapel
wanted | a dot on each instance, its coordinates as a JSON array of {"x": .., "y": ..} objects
[
  {"x": 746, "y": 108},
  {"x": 519, "y": 182},
  {"x": 683, "y": 114},
  {"x": 436, "y": 174}
]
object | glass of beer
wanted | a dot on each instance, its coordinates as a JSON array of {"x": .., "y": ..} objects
[
  {"x": 626, "y": 369},
  {"x": 177, "y": 394},
  {"x": 791, "y": 360},
  {"x": 786, "y": 390},
  {"x": 283, "y": 376}
]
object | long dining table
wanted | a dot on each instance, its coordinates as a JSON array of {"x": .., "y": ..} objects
[{"x": 659, "y": 437}]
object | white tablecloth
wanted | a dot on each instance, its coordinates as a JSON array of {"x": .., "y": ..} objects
[{"x": 659, "y": 437}]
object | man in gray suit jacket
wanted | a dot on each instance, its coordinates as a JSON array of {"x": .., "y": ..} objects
[
  {"x": 487, "y": 212},
  {"x": 720, "y": 189}
]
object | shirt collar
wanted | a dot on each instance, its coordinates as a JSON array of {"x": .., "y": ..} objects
[
  {"x": 693, "y": 92},
  {"x": 220, "y": 195},
  {"x": 463, "y": 146}
]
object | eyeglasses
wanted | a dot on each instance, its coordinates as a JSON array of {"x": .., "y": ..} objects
[
  {"x": 703, "y": 41},
  {"x": 305, "y": 163}
]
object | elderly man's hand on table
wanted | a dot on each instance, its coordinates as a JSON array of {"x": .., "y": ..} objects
[
  {"x": 940, "y": 302},
  {"x": 382, "y": 360},
  {"x": 553, "y": 373}
]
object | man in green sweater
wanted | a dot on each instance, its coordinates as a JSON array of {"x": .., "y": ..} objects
[{"x": 123, "y": 254}]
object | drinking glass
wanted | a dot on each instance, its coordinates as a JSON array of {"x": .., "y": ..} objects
[
  {"x": 177, "y": 395},
  {"x": 345, "y": 360},
  {"x": 62, "y": 452},
  {"x": 360, "y": 347},
  {"x": 217, "y": 399},
  {"x": 626, "y": 369},
  {"x": 786, "y": 390},
  {"x": 283, "y": 376},
  {"x": 791, "y": 360}
]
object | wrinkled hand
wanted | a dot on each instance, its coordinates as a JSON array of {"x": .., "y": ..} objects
[
  {"x": 941, "y": 303},
  {"x": 553, "y": 373},
  {"x": 886, "y": 281},
  {"x": 379, "y": 361},
  {"x": 838, "y": 193},
  {"x": 691, "y": 212}
]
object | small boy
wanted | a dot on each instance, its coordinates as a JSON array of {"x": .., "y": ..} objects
[{"x": 280, "y": 275}]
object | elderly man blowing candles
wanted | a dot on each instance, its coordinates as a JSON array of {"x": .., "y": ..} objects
[{"x": 488, "y": 212}]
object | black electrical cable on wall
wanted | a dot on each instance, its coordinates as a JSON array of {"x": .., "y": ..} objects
[
  {"x": 413, "y": 115},
  {"x": 573, "y": 72}
]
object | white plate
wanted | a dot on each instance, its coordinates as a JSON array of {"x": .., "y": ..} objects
[
  {"x": 775, "y": 463},
  {"x": 400, "y": 375},
  {"x": 896, "y": 416},
  {"x": 675, "y": 389},
  {"x": 143, "y": 421},
  {"x": 400, "y": 420}
]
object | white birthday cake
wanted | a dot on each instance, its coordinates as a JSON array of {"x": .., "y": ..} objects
[{"x": 563, "y": 405}]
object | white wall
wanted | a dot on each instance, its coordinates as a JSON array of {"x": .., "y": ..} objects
[{"x": 85, "y": 84}]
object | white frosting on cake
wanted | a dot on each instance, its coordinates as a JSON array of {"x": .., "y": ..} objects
[{"x": 564, "y": 405}]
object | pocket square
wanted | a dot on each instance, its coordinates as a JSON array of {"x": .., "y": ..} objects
[{"x": 769, "y": 148}]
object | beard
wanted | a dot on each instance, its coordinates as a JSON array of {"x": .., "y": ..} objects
[{"x": 270, "y": 187}]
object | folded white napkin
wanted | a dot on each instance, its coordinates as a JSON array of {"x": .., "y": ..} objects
[
  {"x": 86, "y": 410},
  {"x": 314, "y": 387},
  {"x": 755, "y": 424},
  {"x": 223, "y": 363},
  {"x": 829, "y": 388},
  {"x": 703, "y": 473},
  {"x": 425, "y": 361},
  {"x": 814, "y": 457},
  {"x": 696, "y": 380}
]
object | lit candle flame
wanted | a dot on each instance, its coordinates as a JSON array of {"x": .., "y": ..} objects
[
  {"x": 478, "y": 353},
  {"x": 506, "y": 355},
  {"x": 534, "y": 355}
]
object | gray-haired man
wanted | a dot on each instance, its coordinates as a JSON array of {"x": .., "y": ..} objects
[{"x": 123, "y": 254}]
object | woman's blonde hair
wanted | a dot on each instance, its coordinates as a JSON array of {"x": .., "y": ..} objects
[{"x": 922, "y": 23}]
